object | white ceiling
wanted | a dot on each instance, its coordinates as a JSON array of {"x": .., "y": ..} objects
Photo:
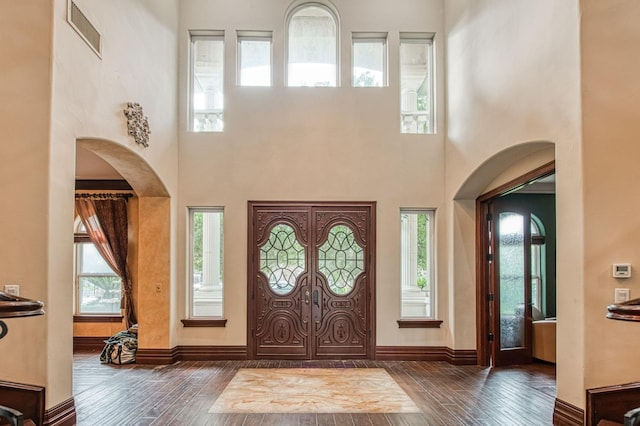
[{"x": 91, "y": 167}]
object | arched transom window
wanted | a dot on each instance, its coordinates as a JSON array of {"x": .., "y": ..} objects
[{"x": 312, "y": 55}]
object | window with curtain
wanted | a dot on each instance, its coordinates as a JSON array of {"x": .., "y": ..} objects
[
  {"x": 312, "y": 47},
  {"x": 98, "y": 287},
  {"x": 105, "y": 218}
]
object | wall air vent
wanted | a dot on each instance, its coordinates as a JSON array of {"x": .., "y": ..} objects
[{"x": 84, "y": 27}]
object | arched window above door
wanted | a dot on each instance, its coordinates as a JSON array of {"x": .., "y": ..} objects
[{"x": 312, "y": 45}]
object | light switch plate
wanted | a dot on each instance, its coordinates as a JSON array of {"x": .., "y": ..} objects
[
  {"x": 621, "y": 295},
  {"x": 12, "y": 289}
]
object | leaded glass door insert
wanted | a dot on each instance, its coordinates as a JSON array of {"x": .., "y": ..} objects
[
  {"x": 340, "y": 259},
  {"x": 311, "y": 287},
  {"x": 282, "y": 259}
]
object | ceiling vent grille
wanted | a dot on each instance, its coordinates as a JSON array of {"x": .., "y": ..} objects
[{"x": 84, "y": 27}]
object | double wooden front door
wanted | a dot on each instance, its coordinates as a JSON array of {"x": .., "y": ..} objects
[{"x": 311, "y": 280}]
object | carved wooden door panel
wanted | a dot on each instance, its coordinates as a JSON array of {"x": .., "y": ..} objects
[
  {"x": 311, "y": 280},
  {"x": 341, "y": 282},
  {"x": 279, "y": 293}
]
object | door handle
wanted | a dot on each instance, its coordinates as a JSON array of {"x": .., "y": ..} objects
[
  {"x": 306, "y": 297},
  {"x": 315, "y": 298}
]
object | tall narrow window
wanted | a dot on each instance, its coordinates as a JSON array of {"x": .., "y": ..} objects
[
  {"x": 98, "y": 288},
  {"x": 254, "y": 58},
  {"x": 312, "y": 48},
  {"x": 538, "y": 275},
  {"x": 206, "y": 262},
  {"x": 416, "y": 83},
  {"x": 369, "y": 53},
  {"x": 417, "y": 264},
  {"x": 207, "y": 81}
]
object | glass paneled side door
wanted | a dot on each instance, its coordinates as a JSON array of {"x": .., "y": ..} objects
[
  {"x": 511, "y": 284},
  {"x": 311, "y": 282}
]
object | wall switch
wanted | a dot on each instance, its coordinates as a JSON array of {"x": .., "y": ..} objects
[
  {"x": 621, "y": 295},
  {"x": 12, "y": 289},
  {"x": 158, "y": 288}
]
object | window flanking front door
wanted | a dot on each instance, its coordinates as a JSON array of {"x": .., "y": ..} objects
[{"x": 311, "y": 280}]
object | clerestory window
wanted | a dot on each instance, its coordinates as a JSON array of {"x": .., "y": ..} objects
[
  {"x": 254, "y": 58},
  {"x": 207, "y": 81},
  {"x": 369, "y": 59},
  {"x": 312, "y": 46},
  {"x": 416, "y": 83}
]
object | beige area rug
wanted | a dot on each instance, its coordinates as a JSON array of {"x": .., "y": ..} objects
[{"x": 313, "y": 390}]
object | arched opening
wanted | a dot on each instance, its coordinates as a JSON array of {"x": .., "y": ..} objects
[
  {"x": 149, "y": 214},
  {"x": 506, "y": 172}
]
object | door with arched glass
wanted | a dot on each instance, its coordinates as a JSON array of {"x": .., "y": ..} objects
[
  {"x": 311, "y": 280},
  {"x": 516, "y": 279}
]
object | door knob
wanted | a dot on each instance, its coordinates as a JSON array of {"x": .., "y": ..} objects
[
  {"x": 306, "y": 297},
  {"x": 315, "y": 298}
]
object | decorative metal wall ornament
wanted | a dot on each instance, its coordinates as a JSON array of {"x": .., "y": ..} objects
[{"x": 137, "y": 123}]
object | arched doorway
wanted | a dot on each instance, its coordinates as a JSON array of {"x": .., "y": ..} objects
[
  {"x": 503, "y": 173},
  {"x": 149, "y": 237}
]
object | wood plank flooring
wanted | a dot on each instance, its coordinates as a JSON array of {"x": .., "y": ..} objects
[{"x": 182, "y": 393}]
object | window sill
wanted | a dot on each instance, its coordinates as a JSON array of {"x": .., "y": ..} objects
[
  {"x": 419, "y": 323},
  {"x": 204, "y": 322},
  {"x": 97, "y": 318}
]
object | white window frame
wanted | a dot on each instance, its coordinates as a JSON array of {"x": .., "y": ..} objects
[
  {"x": 418, "y": 38},
  {"x": 297, "y": 7},
  {"x": 190, "y": 261},
  {"x": 82, "y": 237},
  {"x": 264, "y": 36},
  {"x": 195, "y": 35},
  {"x": 538, "y": 251},
  {"x": 408, "y": 294},
  {"x": 371, "y": 37}
]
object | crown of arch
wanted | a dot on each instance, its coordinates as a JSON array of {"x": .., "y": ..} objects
[
  {"x": 488, "y": 170},
  {"x": 133, "y": 168}
]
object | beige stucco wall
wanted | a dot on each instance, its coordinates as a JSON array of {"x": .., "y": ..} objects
[
  {"x": 611, "y": 124},
  {"x": 513, "y": 75},
  {"x": 50, "y": 101},
  {"x": 25, "y": 86},
  {"x": 138, "y": 63},
  {"x": 513, "y": 72},
  {"x": 312, "y": 144}
]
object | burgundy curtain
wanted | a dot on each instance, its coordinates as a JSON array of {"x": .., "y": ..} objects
[{"x": 107, "y": 226}]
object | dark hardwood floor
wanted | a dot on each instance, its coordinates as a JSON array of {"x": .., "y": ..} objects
[{"x": 181, "y": 394}]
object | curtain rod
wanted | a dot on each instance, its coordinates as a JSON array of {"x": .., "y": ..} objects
[{"x": 105, "y": 195}]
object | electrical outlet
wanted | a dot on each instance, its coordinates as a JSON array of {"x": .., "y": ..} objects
[
  {"x": 158, "y": 288},
  {"x": 12, "y": 289}
]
